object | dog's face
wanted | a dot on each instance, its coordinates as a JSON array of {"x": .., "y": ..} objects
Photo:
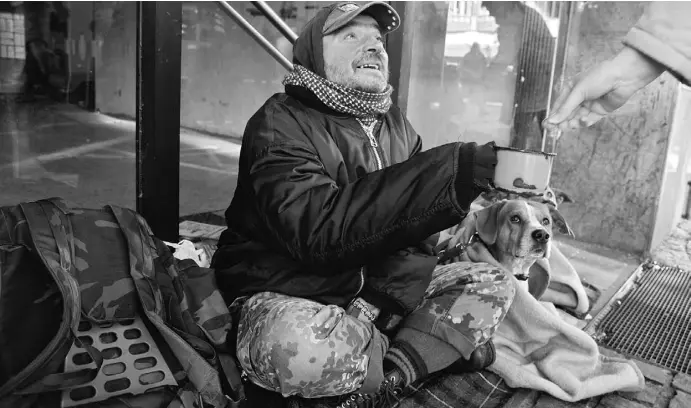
[
  {"x": 551, "y": 198},
  {"x": 519, "y": 232}
]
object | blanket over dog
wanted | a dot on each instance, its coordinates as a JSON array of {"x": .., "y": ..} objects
[
  {"x": 564, "y": 286},
  {"x": 537, "y": 349}
]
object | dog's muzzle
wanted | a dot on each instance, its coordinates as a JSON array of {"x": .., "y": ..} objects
[{"x": 540, "y": 236}]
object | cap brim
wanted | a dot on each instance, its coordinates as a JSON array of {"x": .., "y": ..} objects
[{"x": 387, "y": 18}]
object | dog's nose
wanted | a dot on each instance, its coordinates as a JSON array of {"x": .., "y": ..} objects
[{"x": 540, "y": 235}]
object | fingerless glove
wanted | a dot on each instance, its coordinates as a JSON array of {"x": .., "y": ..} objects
[
  {"x": 484, "y": 166},
  {"x": 475, "y": 172}
]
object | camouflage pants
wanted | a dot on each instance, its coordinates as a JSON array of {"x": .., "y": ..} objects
[{"x": 295, "y": 346}]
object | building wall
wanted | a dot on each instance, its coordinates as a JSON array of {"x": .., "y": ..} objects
[
  {"x": 674, "y": 191},
  {"x": 614, "y": 169}
]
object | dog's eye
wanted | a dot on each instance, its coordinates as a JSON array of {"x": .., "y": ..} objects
[
  {"x": 515, "y": 219},
  {"x": 545, "y": 221}
]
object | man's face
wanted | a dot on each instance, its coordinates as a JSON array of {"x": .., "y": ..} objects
[{"x": 354, "y": 56}]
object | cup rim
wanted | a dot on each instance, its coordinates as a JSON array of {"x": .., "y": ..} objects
[{"x": 535, "y": 152}]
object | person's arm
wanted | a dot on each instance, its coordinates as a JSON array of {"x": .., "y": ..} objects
[
  {"x": 660, "y": 41},
  {"x": 663, "y": 34},
  {"x": 318, "y": 222}
]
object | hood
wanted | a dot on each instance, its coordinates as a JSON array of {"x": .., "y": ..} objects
[{"x": 308, "y": 49}]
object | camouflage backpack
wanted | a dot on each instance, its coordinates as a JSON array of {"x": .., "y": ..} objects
[{"x": 62, "y": 266}]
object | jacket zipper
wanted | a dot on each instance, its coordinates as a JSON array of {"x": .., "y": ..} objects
[{"x": 369, "y": 130}]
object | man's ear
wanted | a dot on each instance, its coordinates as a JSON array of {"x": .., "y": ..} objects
[
  {"x": 560, "y": 222},
  {"x": 486, "y": 222}
]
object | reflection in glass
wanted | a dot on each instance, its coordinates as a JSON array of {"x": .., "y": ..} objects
[
  {"x": 483, "y": 71},
  {"x": 480, "y": 71},
  {"x": 61, "y": 63},
  {"x": 226, "y": 77}
]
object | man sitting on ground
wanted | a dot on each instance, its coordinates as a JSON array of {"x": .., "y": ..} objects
[{"x": 327, "y": 259}]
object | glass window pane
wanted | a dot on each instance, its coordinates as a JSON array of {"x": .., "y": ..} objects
[
  {"x": 483, "y": 71},
  {"x": 226, "y": 77},
  {"x": 67, "y": 96}
]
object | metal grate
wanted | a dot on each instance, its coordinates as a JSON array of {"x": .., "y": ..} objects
[{"x": 653, "y": 321}]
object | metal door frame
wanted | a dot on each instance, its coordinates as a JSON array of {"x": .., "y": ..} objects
[{"x": 159, "y": 50}]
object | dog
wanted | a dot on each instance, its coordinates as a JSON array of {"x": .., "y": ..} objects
[{"x": 519, "y": 233}]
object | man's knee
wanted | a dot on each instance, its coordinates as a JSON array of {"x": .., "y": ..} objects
[
  {"x": 497, "y": 284},
  {"x": 470, "y": 300},
  {"x": 484, "y": 303},
  {"x": 491, "y": 289},
  {"x": 299, "y": 347},
  {"x": 470, "y": 277}
]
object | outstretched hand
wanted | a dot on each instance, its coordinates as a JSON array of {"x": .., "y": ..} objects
[{"x": 602, "y": 90}]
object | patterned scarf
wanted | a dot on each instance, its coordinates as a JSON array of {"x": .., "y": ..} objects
[{"x": 365, "y": 106}]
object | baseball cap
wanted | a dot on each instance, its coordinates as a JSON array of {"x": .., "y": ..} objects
[{"x": 344, "y": 13}]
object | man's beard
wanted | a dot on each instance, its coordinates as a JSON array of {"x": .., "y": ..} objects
[{"x": 344, "y": 77}]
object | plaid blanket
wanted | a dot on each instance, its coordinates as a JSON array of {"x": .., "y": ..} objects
[{"x": 477, "y": 390}]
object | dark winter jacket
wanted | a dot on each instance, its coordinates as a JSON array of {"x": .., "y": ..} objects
[{"x": 324, "y": 211}]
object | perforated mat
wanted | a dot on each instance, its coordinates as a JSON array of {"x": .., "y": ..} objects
[
  {"x": 132, "y": 363},
  {"x": 653, "y": 320}
]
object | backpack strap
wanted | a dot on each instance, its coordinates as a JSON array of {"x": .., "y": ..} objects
[
  {"x": 51, "y": 234},
  {"x": 234, "y": 380},
  {"x": 143, "y": 252}
]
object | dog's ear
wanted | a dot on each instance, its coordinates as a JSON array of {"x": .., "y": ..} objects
[
  {"x": 486, "y": 222},
  {"x": 560, "y": 222}
]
